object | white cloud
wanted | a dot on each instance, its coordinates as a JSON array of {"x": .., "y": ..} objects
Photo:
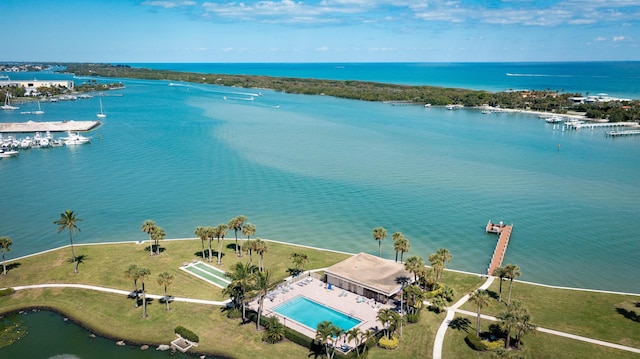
[
  {"x": 347, "y": 12},
  {"x": 169, "y": 4},
  {"x": 618, "y": 38}
]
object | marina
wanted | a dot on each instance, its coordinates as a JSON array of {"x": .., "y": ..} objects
[
  {"x": 504, "y": 233},
  {"x": 622, "y": 133},
  {"x": 578, "y": 125}
]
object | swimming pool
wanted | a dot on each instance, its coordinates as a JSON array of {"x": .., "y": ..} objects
[{"x": 309, "y": 313}]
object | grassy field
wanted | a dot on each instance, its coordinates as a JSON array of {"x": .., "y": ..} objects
[
  {"x": 583, "y": 313},
  {"x": 589, "y": 314},
  {"x": 535, "y": 346}
]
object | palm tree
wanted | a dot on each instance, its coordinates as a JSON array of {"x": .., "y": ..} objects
[
  {"x": 512, "y": 271},
  {"x": 251, "y": 247},
  {"x": 364, "y": 338},
  {"x": 299, "y": 259},
  {"x": 158, "y": 235},
  {"x": 236, "y": 224},
  {"x": 201, "y": 232},
  {"x": 438, "y": 304},
  {"x": 402, "y": 245},
  {"x": 263, "y": 282},
  {"x": 396, "y": 237},
  {"x": 481, "y": 298},
  {"x": 248, "y": 230},
  {"x": 500, "y": 273},
  {"x": 165, "y": 279},
  {"x": 384, "y": 317},
  {"x": 354, "y": 334},
  {"x": 379, "y": 234},
  {"x": 275, "y": 330},
  {"x": 211, "y": 234},
  {"x": 438, "y": 261},
  {"x": 221, "y": 231},
  {"x": 508, "y": 321},
  {"x": 261, "y": 248},
  {"x": 414, "y": 264},
  {"x": 325, "y": 333},
  {"x": 523, "y": 324},
  {"x": 68, "y": 221},
  {"x": 132, "y": 273},
  {"x": 143, "y": 273},
  {"x": 5, "y": 245},
  {"x": 148, "y": 227},
  {"x": 242, "y": 280}
]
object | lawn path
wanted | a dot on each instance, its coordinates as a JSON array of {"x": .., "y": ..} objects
[{"x": 118, "y": 291}]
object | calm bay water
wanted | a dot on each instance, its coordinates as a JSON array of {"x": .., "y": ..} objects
[
  {"x": 324, "y": 172},
  {"x": 49, "y": 336}
]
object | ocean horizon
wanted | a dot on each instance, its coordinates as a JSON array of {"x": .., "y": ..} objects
[{"x": 322, "y": 171}]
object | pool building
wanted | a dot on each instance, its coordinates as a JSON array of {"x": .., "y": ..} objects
[
  {"x": 369, "y": 276},
  {"x": 350, "y": 294}
]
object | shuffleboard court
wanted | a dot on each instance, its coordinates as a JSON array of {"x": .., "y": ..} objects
[{"x": 207, "y": 273}]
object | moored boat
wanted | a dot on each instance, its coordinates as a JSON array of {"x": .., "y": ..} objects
[{"x": 75, "y": 139}]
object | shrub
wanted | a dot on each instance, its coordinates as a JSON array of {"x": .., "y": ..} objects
[
  {"x": 474, "y": 342},
  {"x": 234, "y": 313},
  {"x": 433, "y": 293},
  {"x": 389, "y": 344},
  {"x": 6, "y": 292},
  {"x": 186, "y": 334},
  {"x": 493, "y": 345},
  {"x": 413, "y": 317},
  {"x": 275, "y": 330}
]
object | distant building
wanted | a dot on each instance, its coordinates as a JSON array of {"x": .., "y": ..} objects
[
  {"x": 599, "y": 98},
  {"x": 31, "y": 86}
]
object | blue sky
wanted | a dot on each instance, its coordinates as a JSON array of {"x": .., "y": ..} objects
[{"x": 319, "y": 30}]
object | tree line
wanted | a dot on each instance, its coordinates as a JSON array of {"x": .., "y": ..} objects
[{"x": 537, "y": 100}]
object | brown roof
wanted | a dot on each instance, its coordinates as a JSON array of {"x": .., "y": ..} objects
[{"x": 378, "y": 274}]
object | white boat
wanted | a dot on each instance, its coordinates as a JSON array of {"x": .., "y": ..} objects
[
  {"x": 7, "y": 103},
  {"x": 26, "y": 142},
  {"x": 6, "y": 153},
  {"x": 554, "y": 119},
  {"x": 75, "y": 139},
  {"x": 101, "y": 114},
  {"x": 39, "y": 110}
]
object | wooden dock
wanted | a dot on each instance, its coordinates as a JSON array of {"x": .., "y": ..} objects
[
  {"x": 504, "y": 233},
  {"x": 51, "y": 126}
]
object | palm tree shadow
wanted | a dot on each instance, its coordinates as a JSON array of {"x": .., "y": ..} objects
[
  {"x": 493, "y": 294},
  {"x": 460, "y": 323},
  {"x": 200, "y": 254},
  {"x": 231, "y": 246},
  {"x": 315, "y": 350},
  {"x": 11, "y": 266},
  {"x": 81, "y": 258},
  {"x": 154, "y": 249}
]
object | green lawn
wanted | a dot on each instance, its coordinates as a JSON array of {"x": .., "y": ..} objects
[
  {"x": 589, "y": 314},
  {"x": 583, "y": 313},
  {"x": 535, "y": 345}
]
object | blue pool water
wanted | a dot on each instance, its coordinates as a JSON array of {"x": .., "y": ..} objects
[{"x": 310, "y": 313}]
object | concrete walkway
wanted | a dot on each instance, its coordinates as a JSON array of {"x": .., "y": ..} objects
[
  {"x": 118, "y": 291},
  {"x": 561, "y": 334},
  {"x": 451, "y": 311}
]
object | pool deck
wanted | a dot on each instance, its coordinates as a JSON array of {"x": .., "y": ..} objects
[{"x": 336, "y": 298}]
